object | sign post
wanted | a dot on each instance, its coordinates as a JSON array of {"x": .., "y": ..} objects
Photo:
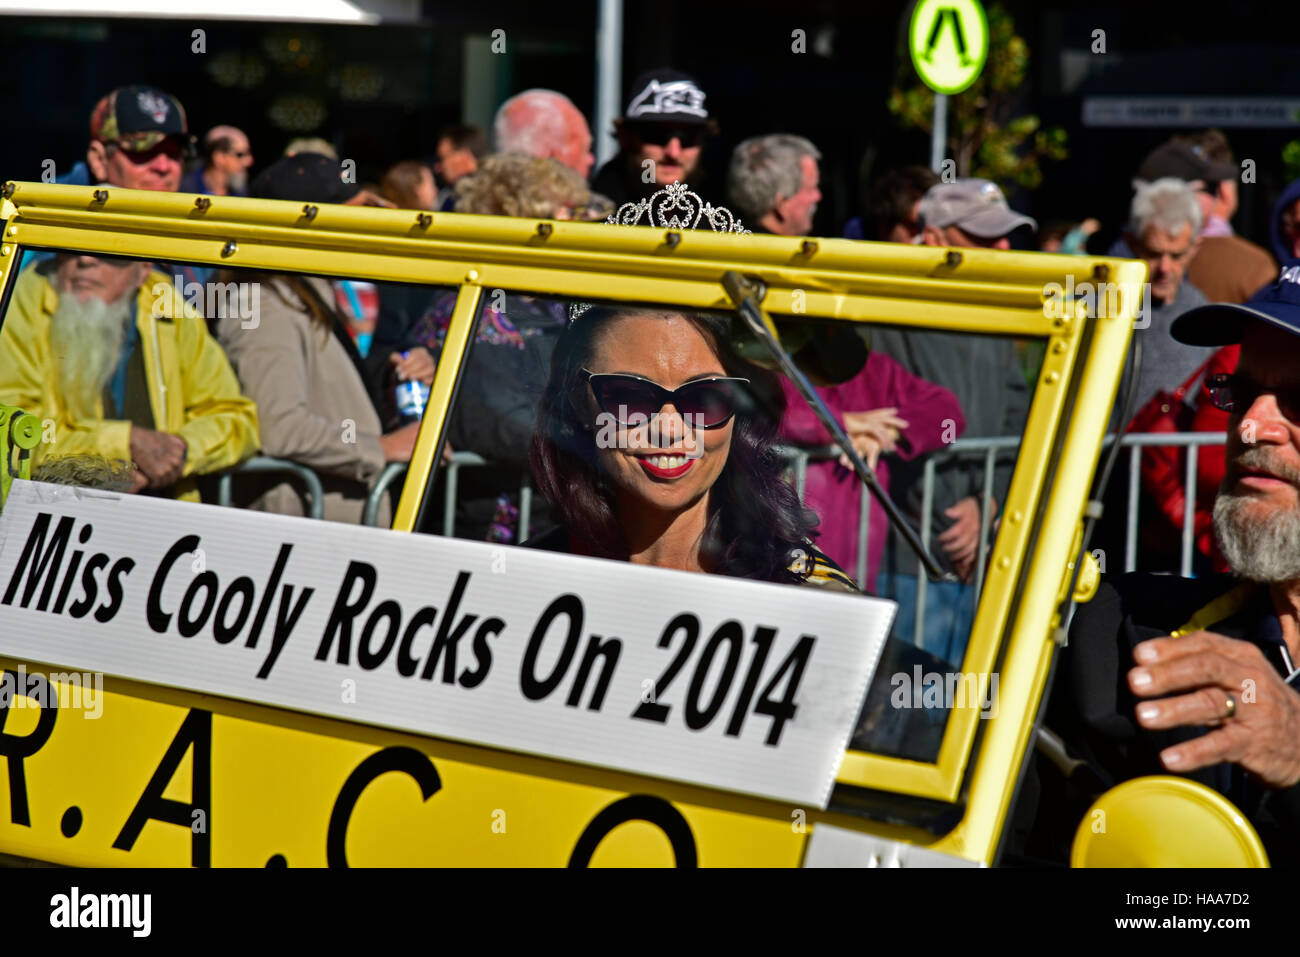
[{"x": 949, "y": 42}]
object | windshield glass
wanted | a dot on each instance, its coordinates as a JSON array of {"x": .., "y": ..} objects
[
  {"x": 270, "y": 391},
  {"x": 664, "y": 436}
]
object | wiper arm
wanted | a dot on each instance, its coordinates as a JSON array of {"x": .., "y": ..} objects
[{"x": 744, "y": 295}]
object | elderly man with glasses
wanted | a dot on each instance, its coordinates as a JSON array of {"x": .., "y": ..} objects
[
  {"x": 223, "y": 171},
  {"x": 1199, "y": 677},
  {"x": 139, "y": 139}
]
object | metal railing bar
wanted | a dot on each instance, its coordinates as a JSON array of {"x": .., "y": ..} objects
[
  {"x": 927, "y": 503},
  {"x": 1189, "y": 512},
  {"x": 1131, "y": 509},
  {"x": 986, "y": 519},
  {"x": 370, "y": 514},
  {"x": 266, "y": 463}
]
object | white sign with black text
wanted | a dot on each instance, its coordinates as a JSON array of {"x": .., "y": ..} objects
[{"x": 704, "y": 679}]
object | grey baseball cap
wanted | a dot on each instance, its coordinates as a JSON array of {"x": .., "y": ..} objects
[{"x": 976, "y": 206}]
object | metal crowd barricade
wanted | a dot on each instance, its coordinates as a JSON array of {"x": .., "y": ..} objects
[
  {"x": 264, "y": 463},
  {"x": 461, "y": 460},
  {"x": 799, "y": 458},
  {"x": 989, "y": 448},
  {"x": 392, "y": 471}
]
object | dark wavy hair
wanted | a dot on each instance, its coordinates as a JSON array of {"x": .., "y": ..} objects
[{"x": 755, "y": 518}]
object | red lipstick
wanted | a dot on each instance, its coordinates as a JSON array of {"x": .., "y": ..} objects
[{"x": 665, "y": 473}]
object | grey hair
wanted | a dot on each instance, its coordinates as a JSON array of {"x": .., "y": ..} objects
[
  {"x": 763, "y": 168},
  {"x": 1167, "y": 203},
  {"x": 1259, "y": 551},
  {"x": 534, "y": 122}
]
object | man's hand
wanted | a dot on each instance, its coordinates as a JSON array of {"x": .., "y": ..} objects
[
  {"x": 883, "y": 425},
  {"x": 366, "y": 198},
  {"x": 1263, "y": 733},
  {"x": 159, "y": 455},
  {"x": 959, "y": 540},
  {"x": 867, "y": 446},
  {"x": 139, "y": 481},
  {"x": 417, "y": 363},
  {"x": 399, "y": 444}
]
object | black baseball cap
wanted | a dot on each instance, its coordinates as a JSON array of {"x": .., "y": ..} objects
[
  {"x": 665, "y": 95},
  {"x": 1185, "y": 161},
  {"x": 303, "y": 178},
  {"x": 1223, "y": 323}
]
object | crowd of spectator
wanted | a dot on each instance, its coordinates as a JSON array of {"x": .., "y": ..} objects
[{"x": 184, "y": 399}]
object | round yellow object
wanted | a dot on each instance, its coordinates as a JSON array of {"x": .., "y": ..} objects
[{"x": 1165, "y": 821}]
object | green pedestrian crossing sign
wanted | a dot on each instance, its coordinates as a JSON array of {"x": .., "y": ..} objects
[{"x": 949, "y": 40}]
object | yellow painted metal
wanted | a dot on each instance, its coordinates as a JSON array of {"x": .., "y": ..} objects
[
  {"x": 455, "y": 349},
  {"x": 1089, "y": 579},
  {"x": 278, "y": 777},
  {"x": 971, "y": 290},
  {"x": 1145, "y": 822}
]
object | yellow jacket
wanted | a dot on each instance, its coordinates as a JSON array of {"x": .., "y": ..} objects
[{"x": 192, "y": 389}]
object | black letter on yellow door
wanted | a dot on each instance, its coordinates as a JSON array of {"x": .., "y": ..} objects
[
  {"x": 196, "y": 730},
  {"x": 407, "y": 760}
]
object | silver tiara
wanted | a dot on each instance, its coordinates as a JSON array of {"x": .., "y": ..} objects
[{"x": 675, "y": 206}]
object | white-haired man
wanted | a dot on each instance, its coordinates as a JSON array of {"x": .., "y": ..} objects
[
  {"x": 1164, "y": 229},
  {"x": 773, "y": 182},
  {"x": 96, "y": 347},
  {"x": 547, "y": 125},
  {"x": 1198, "y": 676}
]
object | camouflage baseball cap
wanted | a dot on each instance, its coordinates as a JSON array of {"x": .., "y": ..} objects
[{"x": 137, "y": 118}]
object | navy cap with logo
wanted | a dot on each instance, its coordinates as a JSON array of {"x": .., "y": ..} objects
[
  {"x": 138, "y": 118},
  {"x": 664, "y": 95},
  {"x": 1223, "y": 323}
]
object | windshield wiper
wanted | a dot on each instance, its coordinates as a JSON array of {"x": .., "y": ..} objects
[{"x": 745, "y": 296}]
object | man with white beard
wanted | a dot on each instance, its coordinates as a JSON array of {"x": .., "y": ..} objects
[
  {"x": 1199, "y": 677},
  {"x": 95, "y": 346}
]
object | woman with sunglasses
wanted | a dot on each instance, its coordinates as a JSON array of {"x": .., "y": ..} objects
[{"x": 654, "y": 445}]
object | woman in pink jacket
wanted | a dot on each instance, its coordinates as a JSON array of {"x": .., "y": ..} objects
[{"x": 884, "y": 409}]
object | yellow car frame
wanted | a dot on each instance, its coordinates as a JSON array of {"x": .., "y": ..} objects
[{"x": 564, "y": 813}]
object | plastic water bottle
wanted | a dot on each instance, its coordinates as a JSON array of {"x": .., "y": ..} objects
[{"x": 412, "y": 396}]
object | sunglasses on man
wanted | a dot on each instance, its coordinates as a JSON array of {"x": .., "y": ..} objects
[
  {"x": 660, "y": 134},
  {"x": 1236, "y": 393},
  {"x": 709, "y": 403},
  {"x": 172, "y": 147}
]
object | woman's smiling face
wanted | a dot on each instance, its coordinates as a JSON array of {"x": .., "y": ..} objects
[{"x": 671, "y": 466}]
